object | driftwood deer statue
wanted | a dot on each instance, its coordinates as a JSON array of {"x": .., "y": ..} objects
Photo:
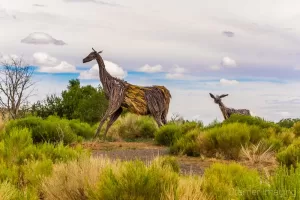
[
  {"x": 153, "y": 100},
  {"x": 228, "y": 111}
]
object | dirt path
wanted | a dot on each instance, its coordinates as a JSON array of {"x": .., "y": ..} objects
[{"x": 147, "y": 151}]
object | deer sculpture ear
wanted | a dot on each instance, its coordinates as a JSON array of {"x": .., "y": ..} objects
[
  {"x": 211, "y": 95},
  {"x": 100, "y": 52},
  {"x": 223, "y": 95}
]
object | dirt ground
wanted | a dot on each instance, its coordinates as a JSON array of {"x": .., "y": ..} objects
[{"x": 147, "y": 151}]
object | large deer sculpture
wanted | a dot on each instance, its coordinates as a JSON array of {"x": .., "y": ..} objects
[{"x": 153, "y": 100}]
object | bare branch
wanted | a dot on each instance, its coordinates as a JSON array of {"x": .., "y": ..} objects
[{"x": 15, "y": 85}]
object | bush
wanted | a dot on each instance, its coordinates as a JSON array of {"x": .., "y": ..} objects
[
  {"x": 290, "y": 155},
  {"x": 134, "y": 180},
  {"x": 168, "y": 134},
  {"x": 52, "y": 129},
  {"x": 284, "y": 184},
  {"x": 187, "y": 145},
  {"x": 296, "y": 128},
  {"x": 71, "y": 180},
  {"x": 226, "y": 140},
  {"x": 229, "y": 181},
  {"x": 287, "y": 123},
  {"x": 252, "y": 121},
  {"x": 132, "y": 126}
]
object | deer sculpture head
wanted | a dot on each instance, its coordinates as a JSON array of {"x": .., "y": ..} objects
[{"x": 91, "y": 56}]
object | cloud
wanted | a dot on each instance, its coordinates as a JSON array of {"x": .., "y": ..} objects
[
  {"x": 44, "y": 59},
  {"x": 7, "y": 58},
  {"x": 151, "y": 69},
  {"x": 297, "y": 68},
  {"x": 94, "y": 1},
  {"x": 215, "y": 67},
  {"x": 228, "y": 62},
  {"x": 51, "y": 64},
  {"x": 284, "y": 114},
  {"x": 60, "y": 68},
  {"x": 112, "y": 68},
  {"x": 41, "y": 38},
  {"x": 228, "y": 82},
  {"x": 228, "y": 33},
  {"x": 176, "y": 73},
  {"x": 38, "y": 5}
]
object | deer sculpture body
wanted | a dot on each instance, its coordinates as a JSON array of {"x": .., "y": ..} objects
[
  {"x": 227, "y": 112},
  {"x": 153, "y": 100}
]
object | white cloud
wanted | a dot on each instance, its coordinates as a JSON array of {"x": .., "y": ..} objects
[
  {"x": 179, "y": 70},
  {"x": 174, "y": 76},
  {"x": 228, "y": 62},
  {"x": 41, "y": 38},
  {"x": 284, "y": 114},
  {"x": 176, "y": 73},
  {"x": 44, "y": 59},
  {"x": 215, "y": 67},
  {"x": 151, "y": 69},
  {"x": 297, "y": 68},
  {"x": 47, "y": 63},
  {"x": 7, "y": 58},
  {"x": 112, "y": 68},
  {"x": 228, "y": 82},
  {"x": 60, "y": 68}
]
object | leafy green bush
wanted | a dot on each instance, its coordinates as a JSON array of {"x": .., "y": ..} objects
[
  {"x": 52, "y": 129},
  {"x": 168, "y": 134},
  {"x": 133, "y": 126},
  {"x": 284, "y": 184},
  {"x": 226, "y": 182},
  {"x": 287, "y": 123},
  {"x": 134, "y": 180},
  {"x": 252, "y": 121},
  {"x": 226, "y": 140},
  {"x": 296, "y": 128},
  {"x": 187, "y": 145},
  {"x": 168, "y": 161},
  {"x": 290, "y": 155}
]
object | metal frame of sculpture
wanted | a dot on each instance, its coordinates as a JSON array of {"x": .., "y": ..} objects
[{"x": 153, "y": 100}]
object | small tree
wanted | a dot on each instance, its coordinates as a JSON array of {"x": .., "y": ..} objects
[{"x": 16, "y": 85}]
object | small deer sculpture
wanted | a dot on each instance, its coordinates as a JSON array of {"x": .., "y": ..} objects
[{"x": 227, "y": 112}]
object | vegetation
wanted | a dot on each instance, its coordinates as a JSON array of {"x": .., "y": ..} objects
[{"x": 85, "y": 103}]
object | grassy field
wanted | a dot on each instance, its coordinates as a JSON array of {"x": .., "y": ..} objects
[{"x": 241, "y": 158}]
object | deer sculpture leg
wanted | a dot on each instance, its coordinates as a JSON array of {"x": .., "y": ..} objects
[
  {"x": 115, "y": 101},
  {"x": 112, "y": 119}
]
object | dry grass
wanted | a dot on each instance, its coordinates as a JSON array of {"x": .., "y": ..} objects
[
  {"x": 71, "y": 180},
  {"x": 258, "y": 154},
  {"x": 7, "y": 191},
  {"x": 190, "y": 188}
]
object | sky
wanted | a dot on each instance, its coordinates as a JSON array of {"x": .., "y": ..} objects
[{"x": 247, "y": 49}]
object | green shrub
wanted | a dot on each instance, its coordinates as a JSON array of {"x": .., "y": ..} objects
[
  {"x": 132, "y": 126},
  {"x": 296, "y": 128},
  {"x": 168, "y": 161},
  {"x": 226, "y": 140},
  {"x": 187, "y": 145},
  {"x": 284, "y": 184},
  {"x": 8, "y": 191},
  {"x": 81, "y": 129},
  {"x": 134, "y": 180},
  {"x": 52, "y": 129},
  {"x": 287, "y": 123},
  {"x": 226, "y": 182},
  {"x": 188, "y": 126},
  {"x": 290, "y": 155},
  {"x": 168, "y": 134},
  {"x": 252, "y": 121}
]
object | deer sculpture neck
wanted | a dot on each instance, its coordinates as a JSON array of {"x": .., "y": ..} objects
[
  {"x": 223, "y": 110},
  {"x": 105, "y": 78}
]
